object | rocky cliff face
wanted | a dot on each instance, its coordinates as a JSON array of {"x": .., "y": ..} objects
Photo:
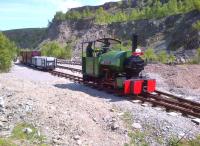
[{"x": 173, "y": 33}]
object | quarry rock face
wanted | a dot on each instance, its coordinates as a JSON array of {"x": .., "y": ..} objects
[{"x": 172, "y": 33}]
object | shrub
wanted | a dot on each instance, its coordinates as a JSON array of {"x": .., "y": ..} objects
[
  {"x": 162, "y": 57},
  {"x": 8, "y": 52},
  {"x": 171, "y": 59},
  {"x": 149, "y": 55},
  {"x": 196, "y": 25},
  {"x": 55, "y": 50}
]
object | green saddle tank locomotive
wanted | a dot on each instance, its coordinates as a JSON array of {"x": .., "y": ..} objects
[{"x": 116, "y": 69}]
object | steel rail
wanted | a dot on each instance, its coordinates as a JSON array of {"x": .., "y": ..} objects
[
  {"x": 178, "y": 98},
  {"x": 70, "y": 68},
  {"x": 169, "y": 103},
  {"x": 186, "y": 107},
  {"x": 61, "y": 61},
  {"x": 169, "y": 106},
  {"x": 68, "y": 76}
]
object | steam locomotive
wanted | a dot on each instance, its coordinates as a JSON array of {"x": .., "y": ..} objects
[{"x": 116, "y": 69}]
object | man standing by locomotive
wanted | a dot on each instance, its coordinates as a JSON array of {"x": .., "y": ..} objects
[{"x": 89, "y": 50}]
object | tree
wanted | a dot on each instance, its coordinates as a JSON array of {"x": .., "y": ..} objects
[
  {"x": 8, "y": 52},
  {"x": 173, "y": 6},
  {"x": 55, "y": 50},
  {"x": 196, "y": 4},
  {"x": 59, "y": 16}
]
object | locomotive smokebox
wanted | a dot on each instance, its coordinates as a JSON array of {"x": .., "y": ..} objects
[{"x": 134, "y": 42}]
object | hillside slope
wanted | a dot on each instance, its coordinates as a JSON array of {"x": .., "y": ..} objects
[{"x": 26, "y": 38}]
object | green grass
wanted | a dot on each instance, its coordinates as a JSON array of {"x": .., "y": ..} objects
[
  {"x": 128, "y": 120},
  {"x": 182, "y": 142},
  {"x": 19, "y": 137},
  {"x": 137, "y": 138},
  {"x": 6, "y": 142},
  {"x": 33, "y": 137}
]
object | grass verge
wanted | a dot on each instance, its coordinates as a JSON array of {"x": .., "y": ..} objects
[{"x": 22, "y": 138}]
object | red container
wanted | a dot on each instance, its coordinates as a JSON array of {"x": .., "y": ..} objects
[{"x": 26, "y": 56}]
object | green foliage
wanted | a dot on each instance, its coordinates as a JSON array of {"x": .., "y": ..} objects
[
  {"x": 196, "y": 4},
  {"x": 26, "y": 38},
  {"x": 149, "y": 55},
  {"x": 6, "y": 142},
  {"x": 137, "y": 138},
  {"x": 162, "y": 57},
  {"x": 128, "y": 119},
  {"x": 55, "y": 50},
  {"x": 154, "y": 9},
  {"x": 181, "y": 142},
  {"x": 196, "y": 25},
  {"x": 124, "y": 46},
  {"x": 196, "y": 59},
  {"x": 7, "y": 52},
  {"x": 18, "y": 133},
  {"x": 59, "y": 16},
  {"x": 171, "y": 59}
]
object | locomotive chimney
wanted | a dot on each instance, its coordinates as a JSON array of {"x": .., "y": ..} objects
[{"x": 134, "y": 42}]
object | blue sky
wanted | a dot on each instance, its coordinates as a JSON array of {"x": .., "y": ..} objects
[{"x": 15, "y": 14}]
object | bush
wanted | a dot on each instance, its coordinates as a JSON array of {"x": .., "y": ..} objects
[
  {"x": 196, "y": 59},
  {"x": 8, "y": 52},
  {"x": 162, "y": 57},
  {"x": 55, "y": 50},
  {"x": 149, "y": 55},
  {"x": 196, "y": 25},
  {"x": 171, "y": 59}
]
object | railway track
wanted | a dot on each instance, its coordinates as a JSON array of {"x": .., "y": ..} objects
[
  {"x": 70, "y": 68},
  {"x": 62, "y": 61},
  {"x": 169, "y": 101}
]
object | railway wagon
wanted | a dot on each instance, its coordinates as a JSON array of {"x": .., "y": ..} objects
[
  {"x": 26, "y": 56},
  {"x": 43, "y": 62},
  {"x": 34, "y": 58},
  {"x": 116, "y": 69}
]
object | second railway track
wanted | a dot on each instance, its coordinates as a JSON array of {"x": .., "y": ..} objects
[
  {"x": 70, "y": 68},
  {"x": 170, "y": 102}
]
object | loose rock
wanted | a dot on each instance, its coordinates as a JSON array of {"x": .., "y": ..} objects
[
  {"x": 136, "y": 126},
  {"x": 27, "y": 130},
  {"x": 114, "y": 126}
]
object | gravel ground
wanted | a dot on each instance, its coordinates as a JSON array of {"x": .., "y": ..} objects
[
  {"x": 183, "y": 80},
  {"x": 73, "y": 114}
]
